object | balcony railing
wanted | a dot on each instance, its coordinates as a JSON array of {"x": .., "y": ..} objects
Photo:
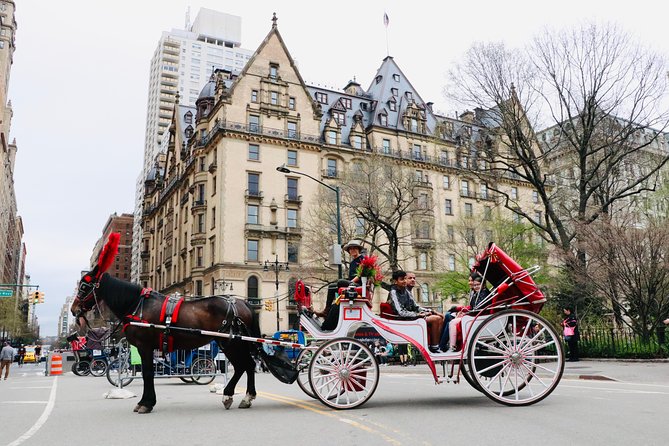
[
  {"x": 330, "y": 173},
  {"x": 467, "y": 193},
  {"x": 253, "y": 193},
  {"x": 293, "y": 198},
  {"x": 198, "y": 203}
]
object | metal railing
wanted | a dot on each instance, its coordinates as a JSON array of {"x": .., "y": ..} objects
[{"x": 599, "y": 342}]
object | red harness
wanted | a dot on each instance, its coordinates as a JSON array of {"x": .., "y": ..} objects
[{"x": 168, "y": 314}]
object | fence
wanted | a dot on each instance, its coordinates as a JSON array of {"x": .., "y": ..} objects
[{"x": 599, "y": 342}]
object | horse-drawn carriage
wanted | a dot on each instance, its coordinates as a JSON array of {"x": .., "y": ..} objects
[{"x": 510, "y": 353}]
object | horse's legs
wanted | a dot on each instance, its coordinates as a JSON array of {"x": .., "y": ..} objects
[
  {"x": 250, "y": 368},
  {"x": 148, "y": 400},
  {"x": 232, "y": 352}
]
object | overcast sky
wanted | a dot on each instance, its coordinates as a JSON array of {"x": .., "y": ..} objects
[{"x": 80, "y": 79}]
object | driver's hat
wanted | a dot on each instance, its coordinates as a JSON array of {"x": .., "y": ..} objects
[{"x": 353, "y": 244}]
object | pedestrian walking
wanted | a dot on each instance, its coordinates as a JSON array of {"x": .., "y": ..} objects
[
  {"x": 6, "y": 357},
  {"x": 38, "y": 354},
  {"x": 22, "y": 354},
  {"x": 570, "y": 332}
]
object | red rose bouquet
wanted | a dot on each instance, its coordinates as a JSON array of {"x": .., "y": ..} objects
[{"x": 370, "y": 269}]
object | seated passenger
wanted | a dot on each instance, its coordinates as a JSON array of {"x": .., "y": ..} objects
[
  {"x": 477, "y": 295},
  {"x": 404, "y": 305},
  {"x": 331, "y": 311}
]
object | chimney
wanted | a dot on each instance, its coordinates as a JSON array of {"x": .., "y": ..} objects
[{"x": 429, "y": 106}]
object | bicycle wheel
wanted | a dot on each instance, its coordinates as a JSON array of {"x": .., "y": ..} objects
[
  {"x": 117, "y": 369},
  {"x": 98, "y": 367},
  {"x": 81, "y": 368},
  {"x": 203, "y": 370}
]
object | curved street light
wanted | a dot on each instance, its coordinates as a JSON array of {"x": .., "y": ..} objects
[{"x": 283, "y": 169}]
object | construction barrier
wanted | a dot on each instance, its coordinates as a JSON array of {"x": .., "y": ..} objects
[{"x": 56, "y": 365}]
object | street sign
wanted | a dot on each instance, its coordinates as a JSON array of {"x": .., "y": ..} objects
[{"x": 6, "y": 293}]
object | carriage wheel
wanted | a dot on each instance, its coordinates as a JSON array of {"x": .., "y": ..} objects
[
  {"x": 343, "y": 373},
  {"x": 203, "y": 370},
  {"x": 81, "y": 368},
  {"x": 113, "y": 373},
  {"x": 515, "y": 358},
  {"x": 98, "y": 367},
  {"x": 302, "y": 364}
]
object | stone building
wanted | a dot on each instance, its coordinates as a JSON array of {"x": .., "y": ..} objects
[
  {"x": 123, "y": 225},
  {"x": 215, "y": 207}
]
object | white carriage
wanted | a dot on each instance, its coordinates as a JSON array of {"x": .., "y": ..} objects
[{"x": 509, "y": 352}]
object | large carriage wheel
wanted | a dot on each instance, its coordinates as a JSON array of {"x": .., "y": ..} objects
[
  {"x": 302, "y": 364},
  {"x": 343, "y": 373},
  {"x": 515, "y": 358}
]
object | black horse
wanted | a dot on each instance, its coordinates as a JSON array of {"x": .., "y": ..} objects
[{"x": 130, "y": 302}]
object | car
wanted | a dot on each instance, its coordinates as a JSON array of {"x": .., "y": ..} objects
[{"x": 30, "y": 354}]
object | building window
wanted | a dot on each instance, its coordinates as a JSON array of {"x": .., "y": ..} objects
[
  {"x": 443, "y": 157},
  {"x": 321, "y": 97},
  {"x": 213, "y": 218},
  {"x": 447, "y": 182},
  {"x": 212, "y": 251},
  {"x": 483, "y": 189},
  {"x": 535, "y": 196},
  {"x": 254, "y": 123},
  {"x": 332, "y": 137},
  {"x": 394, "y": 91},
  {"x": 252, "y": 214},
  {"x": 188, "y": 118},
  {"x": 252, "y": 250},
  {"x": 487, "y": 213},
  {"x": 198, "y": 256},
  {"x": 274, "y": 98},
  {"x": 213, "y": 186},
  {"x": 514, "y": 193},
  {"x": 537, "y": 216},
  {"x": 340, "y": 118},
  {"x": 292, "y": 158},
  {"x": 291, "y": 218},
  {"x": 198, "y": 288},
  {"x": 386, "y": 146},
  {"x": 359, "y": 226},
  {"x": 488, "y": 235},
  {"x": 469, "y": 210},
  {"x": 464, "y": 162},
  {"x": 392, "y": 106},
  {"x": 291, "y": 103},
  {"x": 292, "y": 129},
  {"x": 356, "y": 141},
  {"x": 291, "y": 184},
  {"x": 451, "y": 262},
  {"x": 253, "y": 184},
  {"x": 417, "y": 152},
  {"x": 273, "y": 71},
  {"x": 383, "y": 120},
  {"x": 252, "y": 288},
  {"x": 292, "y": 253},
  {"x": 450, "y": 234},
  {"x": 409, "y": 95},
  {"x": 200, "y": 194},
  {"x": 200, "y": 223},
  {"x": 254, "y": 95},
  {"x": 448, "y": 207},
  {"x": 419, "y": 176},
  {"x": 396, "y": 77},
  {"x": 469, "y": 236},
  {"x": 464, "y": 188},
  {"x": 332, "y": 168},
  {"x": 254, "y": 152},
  {"x": 414, "y": 125},
  {"x": 424, "y": 292},
  {"x": 202, "y": 164}
]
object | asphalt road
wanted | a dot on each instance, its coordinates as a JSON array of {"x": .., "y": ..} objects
[{"x": 407, "y": 408}]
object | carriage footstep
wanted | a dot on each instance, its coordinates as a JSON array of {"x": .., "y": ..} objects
[{"x": 227, "y": 401}]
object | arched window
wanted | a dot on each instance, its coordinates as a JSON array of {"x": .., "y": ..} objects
[{"x": 252, "y": 290}]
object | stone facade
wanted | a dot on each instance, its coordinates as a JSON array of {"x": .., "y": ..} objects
[{"x": 215, "y": 207}]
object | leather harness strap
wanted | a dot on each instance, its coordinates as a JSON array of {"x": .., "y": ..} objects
[{"x": 168, "y": 314}]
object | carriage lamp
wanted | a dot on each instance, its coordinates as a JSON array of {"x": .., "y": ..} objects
[
  {"x": 277, "y": 267},
  {"x": 283, "y": 169}
]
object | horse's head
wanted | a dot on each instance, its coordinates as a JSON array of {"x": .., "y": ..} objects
[{"x": 85, "y": 300}]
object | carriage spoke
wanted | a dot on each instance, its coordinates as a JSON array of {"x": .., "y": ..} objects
[
  {"x": 534, "y": 375},
  {"x": 536, "y": 347},
  {"x": 545, "y": 368},
  {"x": 502, "y": 385},
  {"x": 497, "y": 364},
  {"x": 498, "y": 374},
  {"x": 491, "y": 347},
  {"x": 494, "y": 335}
]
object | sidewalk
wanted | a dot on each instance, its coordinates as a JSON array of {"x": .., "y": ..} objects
[{"x": 602, "y": 370}]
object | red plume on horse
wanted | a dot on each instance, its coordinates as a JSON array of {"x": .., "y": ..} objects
[{"x": 108, "y": 253}]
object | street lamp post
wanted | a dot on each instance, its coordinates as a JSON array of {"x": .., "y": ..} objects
[
  {"x": 277, "y": 267},
  {"x": 283, "y": 169}
]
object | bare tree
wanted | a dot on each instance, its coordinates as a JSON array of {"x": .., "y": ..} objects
[
  {"x": 632, "y": 265},
  {"x": 600, "y": 95},
  {"x": 381, "y": 203}
]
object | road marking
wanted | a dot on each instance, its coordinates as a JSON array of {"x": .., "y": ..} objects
[
  {"x": 609, "y": 389},
  {"x": 24, "y": 402},
  {"x": 30, "y": 387},
  {"x": 42, "y": 419},
  {"x": 328, "y": 413}
]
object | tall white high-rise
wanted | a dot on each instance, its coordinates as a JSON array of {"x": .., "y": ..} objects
[{"x": 183, "y": 62}]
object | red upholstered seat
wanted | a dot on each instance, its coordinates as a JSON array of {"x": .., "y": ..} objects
[{"x": 387, "y": 311}]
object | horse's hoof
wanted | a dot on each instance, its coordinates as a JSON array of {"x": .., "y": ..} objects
[
  {"x": 246, "y": 402},
  {"x": 137, "y": 408},
  {"x": 227, "y": 402},
  {"x": 144, "y": 409}
]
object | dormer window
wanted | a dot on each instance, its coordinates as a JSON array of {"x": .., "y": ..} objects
[
  {"x": 394, "y": 91},
  {"x": 273, "y": 71},
  {"x": 409, "y": 95},
  {"x": 396, "y": 77},
  {"x": 383, "y": 120},
  {"x": 392, "y": 106},
  {"x": 340, "y": 118},
  {"x": 188, "y": 118},
  {"x": 378, "y": 78},
  {"x": 321, "y": 97},
  {"x": 346, "y": 102}
]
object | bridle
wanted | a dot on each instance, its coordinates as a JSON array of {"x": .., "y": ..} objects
[{"x": 86, "y": 294}]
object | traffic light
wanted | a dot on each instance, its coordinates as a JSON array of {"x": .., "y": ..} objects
[
  {"x": 268, "y": 304},
  {"x": 34, "y": 296},
  {"x": 40, "y": 297}
]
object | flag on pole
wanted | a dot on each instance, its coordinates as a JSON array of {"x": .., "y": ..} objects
[{"x": 385, "y": 19}]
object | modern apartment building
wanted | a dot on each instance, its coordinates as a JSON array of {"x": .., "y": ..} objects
[
  {"x": 215, "y": 207},
  {"x": 181, "y": 65}
]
